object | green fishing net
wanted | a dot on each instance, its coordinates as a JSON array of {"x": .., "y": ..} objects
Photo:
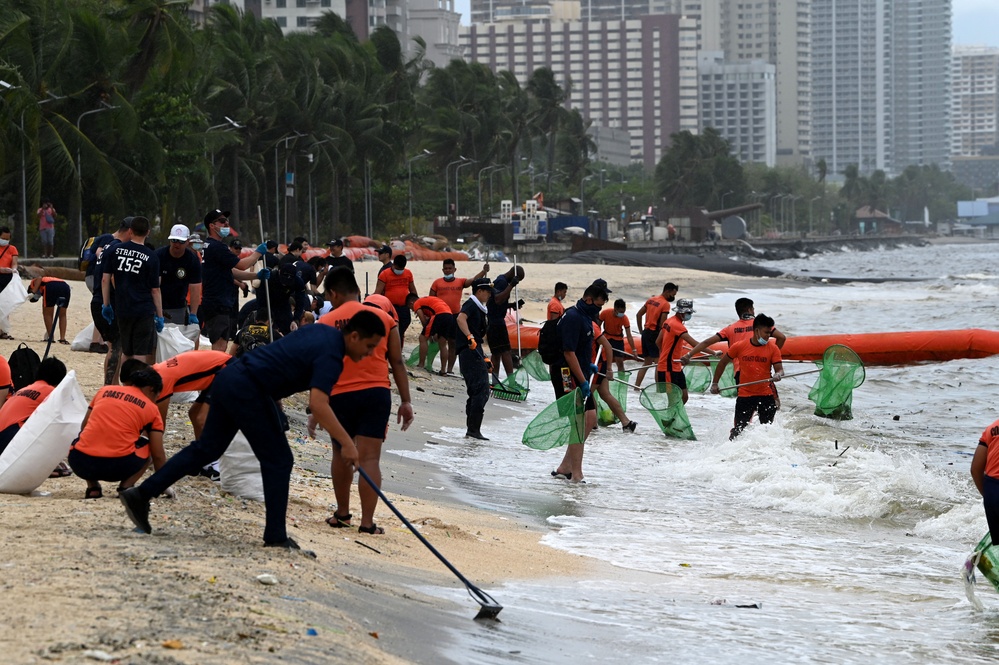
[
  {"x": 699, "y": 375},
  {"x": 988, "y": 560},
  {"x": 842, "y": 371},
  {"x": 515, "y": 387},
  {"x": 618, "y": 391},
  {"x": 432, "y": 350},
  {"x": 559, "y": 424},
  {"x": 535, "y": 366},
  {"x": 665, "y": 402}
]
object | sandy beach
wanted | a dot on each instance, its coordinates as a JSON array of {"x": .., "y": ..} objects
[{"x": 81, "y": 586}]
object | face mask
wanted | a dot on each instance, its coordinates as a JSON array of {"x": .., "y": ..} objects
[
  {"x": 4, "y": 243},
  {"x": 619, "y": 315},
  {"x": 686, "y": 317},
  {"x": 197, "y": 246},
  {"x": 448, "y": 278},
  {"x": 761, "y": 341},
  {"x": 670, "y": 298},
  {"x": 397, "y": 271},
  {"x": 746, "y": 317},
  {"x": 224, "y": 231}
]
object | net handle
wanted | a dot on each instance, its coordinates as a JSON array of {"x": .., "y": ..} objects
[
  {"x": 516, "y": 299},
  {"x": 770, "y": 380}
]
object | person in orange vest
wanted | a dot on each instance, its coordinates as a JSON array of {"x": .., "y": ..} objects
[
  {"x": 19, "y": 407},
  {"x": 616, "y": 328},
  {"x": 438, "y": 323},
  {"x": 655, "y": 310},
  {"x": 985, "y": 473},
  {"x": 53, "y": 292},
  {"x": 449, "y": 289},
  {"x": 555, "y": 307},
  {"x": 396, "y": 284}
]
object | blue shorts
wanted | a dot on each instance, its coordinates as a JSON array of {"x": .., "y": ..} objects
[
  {"x": 649, "y": 347},
  {"x": 364, "y": 412}
]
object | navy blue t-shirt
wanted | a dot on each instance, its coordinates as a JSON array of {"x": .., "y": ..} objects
[
  {"x": 576, "y": 331},
  {"x": 176, "y": 275},
  {"x": 476, "y": 322},
  {"x": 136, "y": 272},
  {"x": 497, "y": 311},
  {"x": 310, "y": 357},
  {"x": 217, "y": 285},
  {"x": 307, "y": 272},
  {"x": 99, "y": 268},
  {"x": 100, "y": 242}
]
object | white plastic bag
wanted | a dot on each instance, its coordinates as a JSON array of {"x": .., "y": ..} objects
[
  {"x": 83, "y": 339},
  {"x": 239, "y": 469},
  {"x": 11, "y": 298},
  {"x": 191, "y": 332},
  {"x": 171, "y": 342},
  {"x": 44, "y": 439}
]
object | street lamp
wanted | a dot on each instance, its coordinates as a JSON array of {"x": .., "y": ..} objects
[
  {"x": 490, "y": 168},
  {"x": 773, "y": 208},
  {"x": 456, "y": 169},
  {"x": 582, "y": 206},
  {"x": 810, "y": 213},
  {"x": 425, "y": 153},
  {"x": 723, "y": 198},
  {"x": 793, "y": 215},
  {"x": 447, "y": 184},
  {"x": 277, "y": 181},
  {"x": 491, "y": 174},
  {"x": 79, "y": 172},
  {"x": 229, "y": 125},
  {"x": 24, "y": 179}
]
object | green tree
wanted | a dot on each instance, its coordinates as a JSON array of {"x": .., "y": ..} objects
[{"x": 697, "y": 171}]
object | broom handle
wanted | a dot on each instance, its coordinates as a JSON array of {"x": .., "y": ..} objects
[{"x": 516, "y": 298}]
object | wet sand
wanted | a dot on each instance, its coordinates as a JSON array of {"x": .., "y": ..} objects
[{"x": 81, "y": 586}]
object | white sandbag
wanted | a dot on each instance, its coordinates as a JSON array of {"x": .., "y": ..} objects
[
  {"x": 239, "y": 469},
  {"x": 83, "y": 339},
  {"x": 12, "y": 297},
  {"x": 44, "y": 440},
  {"x": 191, "y": 332},
  {"x": 171, "y": 342}
]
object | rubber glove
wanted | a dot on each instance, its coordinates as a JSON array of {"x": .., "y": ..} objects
[
  {"x": 472, "y": 344},
  {"x": 585, "y": 389},
  {"x": 264, "y": 273},
  {"x": 595, "y": 368},
  {"x": 108, "y": 313},
  {"x": 192, "y": 320},
  {"x": 262, "y": 249},
  {"x": 35, "y": 297},
  {"x": 160, "y": 322}
]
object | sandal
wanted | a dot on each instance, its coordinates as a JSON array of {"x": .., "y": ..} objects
[
  {"x": 62, "y": 341},
  {"x": 339, "y": 521},
  {"x": 61, "y": 471},
  {"x": 374, "y": 529},
  {"x": 4, "y": 335},
  {"x": 93, "y": 493}
]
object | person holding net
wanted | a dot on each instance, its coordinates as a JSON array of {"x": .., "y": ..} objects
[{"x": 757, "y": 357}]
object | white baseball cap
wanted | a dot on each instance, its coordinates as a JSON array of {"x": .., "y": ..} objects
[{"x": 179, "y": 232}]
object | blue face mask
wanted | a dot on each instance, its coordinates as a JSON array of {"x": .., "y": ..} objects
[
  {"x": 397, "y": 271},
  {"x": 448, "y": 278},
  {"x": 224, "y": 231},
  {"x": 686, "y": 317},
  {"x": 761, "y": 341}
]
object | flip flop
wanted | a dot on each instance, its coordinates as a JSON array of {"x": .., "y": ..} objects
[
  {"x": 62, "y": 341},
  {"x": 61, "y": 471}
]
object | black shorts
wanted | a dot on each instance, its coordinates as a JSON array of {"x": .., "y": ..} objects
[
  {"x": 138, "y": 335},
  {"x": 559, "y": 386},
  {"x": 678, "y": 379},
  {"x": 118, "y": 469},
  {"x": 217, "y": 322},
  {"x": 618, "y": 346},
  {"x": 649, "y": 347},
  {"x": 54, "y": 291},
  {"x": 176, "y": 316},
  {"x": 108, "y": 331},
  {"x": 364, "y": 412},
  {"x": 498, "y": 338},
  {"x": 601, "y": 373},
  {"x": 444, "y": 326}
]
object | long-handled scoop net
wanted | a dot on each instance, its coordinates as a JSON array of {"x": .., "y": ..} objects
[
  {"x": 518, "y": 384},
  {"x": 488, "y": 607},
  {"x": 560, "y": 423},
  {"x": 840, "y": 371}
]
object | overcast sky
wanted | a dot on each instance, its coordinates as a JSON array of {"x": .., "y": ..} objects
[{"x": 975, "y": 21}]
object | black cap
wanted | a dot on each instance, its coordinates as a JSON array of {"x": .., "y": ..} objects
[
  {"x": 215, "y": 214},
  {"x": 481, "y": 283},
  {"x": 271, "y": 244},
  {"x": 336, "y": 242},
  {"x": 384, "y": 249},
  {"x": 602, "y": 283},
  {"x": 235, "y": 244},
  {"x": 126, "y": 223}
]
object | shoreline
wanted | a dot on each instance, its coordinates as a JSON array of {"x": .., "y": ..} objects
[{"x": 92, "y": 584}]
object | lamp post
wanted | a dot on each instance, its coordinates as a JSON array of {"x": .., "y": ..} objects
[
  {"x": 723, "y": 198},
  {"x": 456, "y": 169},
  {"x": 794, "y": 225},
  {"x": 773, "y": 208},
  {"x": 228, "y": 126},
  {"x": 277, "y": 181},
  {"x": 582, "y": 199},
  {"x": 447, "y": 185},
  {"x": 490, "y": 168},
  {"x": 810, "y": 213},
  {"x": 491, "y": 174},
  {"x": 425, "y": 153},
  {"x": 79, "y": 172}
]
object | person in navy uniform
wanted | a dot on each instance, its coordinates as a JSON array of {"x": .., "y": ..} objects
[
  {"x": 180, "y": 276},
  {"x": 221, "y": 267},
  {"x": 472, "y": 361},
  {"x": 245, "y": 398}
]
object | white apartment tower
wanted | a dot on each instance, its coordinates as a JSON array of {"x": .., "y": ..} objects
[
  {"x": 974, "y": 99},
  {"x": 881, "y": 83},
  {"x": 739, "y": 99}
]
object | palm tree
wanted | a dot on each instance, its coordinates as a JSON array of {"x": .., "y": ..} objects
[{"x": 548, "y": 110}]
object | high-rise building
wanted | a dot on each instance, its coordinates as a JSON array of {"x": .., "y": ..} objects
[
  {"x": 880, "y": 83},
  {"x": 739, "y": 99},
  {"x": 625, "y": 74},
  {"x": 974, "y": 99}
]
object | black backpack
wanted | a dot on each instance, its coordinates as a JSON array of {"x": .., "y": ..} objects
[
  {"x": 550, "y": 343},
  {"x": 24, "y": 364}
]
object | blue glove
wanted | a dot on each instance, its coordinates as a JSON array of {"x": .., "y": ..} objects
[
  {"x": 262, "y": 249},
  {"x": 192, "y": 320},
  {"x": 108, "y": 313},
  {"x": 159, "y": 321},
  {"x": 585, "y": 389},
  {"x": 264, "y": 273},
  {"x": 595, "y": 368}
]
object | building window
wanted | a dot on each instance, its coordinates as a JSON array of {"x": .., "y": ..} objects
[
  {"x": 281, "y": 4},
  {"x": 303, "y": 21},
  {"x": 282, "y": 21},
  {"x": 300, "y": 3},
  {"x": 325, "y": 3}
]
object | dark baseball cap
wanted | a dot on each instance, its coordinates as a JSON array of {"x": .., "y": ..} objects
[
  {"x": 602, "y": 283},
  {"x": 215, "y": 214},
  {"x": 126, "y": 223},
  {"x": 271, "y": 244},
  {"x": 336, "y": 242},
  {"x": 482, "y": 283},
  {"x": 384, "y": 249}
]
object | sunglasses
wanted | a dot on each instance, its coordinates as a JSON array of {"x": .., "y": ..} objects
[
  {"x": 221, "y": 220},
  {"x": 178, "y": 242}
]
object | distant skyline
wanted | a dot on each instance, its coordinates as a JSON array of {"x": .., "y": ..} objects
[{"x": 975, "y": 21}]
